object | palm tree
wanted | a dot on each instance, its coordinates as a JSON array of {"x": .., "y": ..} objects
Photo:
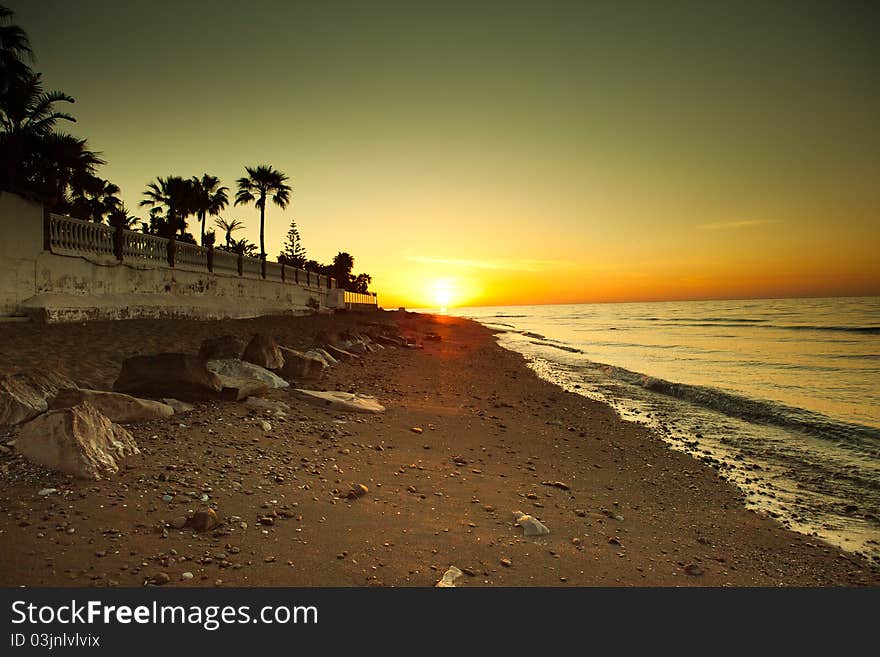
[
  {"x": 94, "y": 198},
  {"x": 15, "y": 48},
  {"x": 229, "y": 227},
  {"x": 260, "y": 183},
  {"x": 27, "y": 119},
  {"x": 210, "y": 198},
  {"x": 119, "y": 216},
  {"x": 174, "y": 194}
]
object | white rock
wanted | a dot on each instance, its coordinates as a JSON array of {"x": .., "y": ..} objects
[
  {"x": 341, "y": 401},
  {"x": 47, "y": 491},
  {"x": 240, "y": 369},
  {"x": 449, "y": 577},
  {"x": 186, "y": 575},
  {"x": 265, "y": 426},
  {"x": 531, "y": 526}
]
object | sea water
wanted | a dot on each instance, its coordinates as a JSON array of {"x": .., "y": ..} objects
[{"x": 782, "y": 396}]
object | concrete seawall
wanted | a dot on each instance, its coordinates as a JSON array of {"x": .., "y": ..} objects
[{"x": 51, "y": 287}]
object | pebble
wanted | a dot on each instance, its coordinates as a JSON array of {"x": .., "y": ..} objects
[
  {"x": 417, "y": 430},
  {"x": 167, "y": 498},
  {"x": 47, "y": 491},
  {"x": 186, "y": 575},
  {"x": 507, "y": 563},
  {"x": 160, "y": 579},
  {"x": 266, "y": 426},
  {"x": 693, "y": 569}
]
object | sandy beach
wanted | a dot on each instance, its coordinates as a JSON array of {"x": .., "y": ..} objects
[{"x": 470, "y": 435}]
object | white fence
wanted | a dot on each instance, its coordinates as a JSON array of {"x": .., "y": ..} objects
[{"x": 68, "y": 236}]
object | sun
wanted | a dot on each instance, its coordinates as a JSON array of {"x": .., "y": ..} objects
[{"x": 443, "y": 294}]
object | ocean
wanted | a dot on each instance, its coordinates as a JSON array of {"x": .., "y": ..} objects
[{"x": 782, "y": 396}]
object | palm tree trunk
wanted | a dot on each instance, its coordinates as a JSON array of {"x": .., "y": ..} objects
[
  {"x": 262, "y": 226},
  {"x": 202, "y": 217}
]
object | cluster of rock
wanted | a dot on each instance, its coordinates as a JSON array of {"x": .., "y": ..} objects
[{"x": 78, "y": 431}]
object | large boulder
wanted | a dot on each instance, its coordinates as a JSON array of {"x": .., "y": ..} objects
[
  {"x": 340, "y": 401},
  {"x": 263, "y": 351},
  {"x": 239, "y": 369},
  {"x": 79, "y": 441},
  {"x": 224, "y": 346},
  {"x": 117, "y": 406},
  {"x": 180, "y": 376},
  {"x": 25, "y": 395},
  {"x": 298, "y": 365}
]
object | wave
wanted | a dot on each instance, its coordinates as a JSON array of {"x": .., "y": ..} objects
[
  {"x": 557, "y": 346},
  {"x": 734, "y": 323},
  {"x": 745, "y": 408}
]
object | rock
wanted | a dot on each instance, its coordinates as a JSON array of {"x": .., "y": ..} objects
[
  {"x": 45, "y": 492},
  {"x": 79, "y": 441},
  {"x": 323, "y": 355},
  {"x": 432, "y": 337},
  {"x": 265, "y": 426},
  {"x": 507, "y": 563},
  {"x": 117, "y": 406},
  {"x": 178, "y": 406},
  {"x": 341, "y": 401},
  {"x": 203, "y": 520},
  {"x": 693, "y": 570},
  {"x": 236, "y": 389},
  {"x": 340, "y": 354},
  {"x": 224, "y": 346},
  {"x": 160, "y": 579},
  {"x": 240, "y": 369},
  {"x": 170, "y": 374},
  {"x": 25, "y": 395},
  {"x": 449, "y": 577},
  {"x": 416, "y": 429},
  {"x": 298, "y": 365},
  {"x": 263, "y": 351},
  {"x": 167, "y": 498},
  {"x": 557, "y": 484},
  {"x": 357, "y": 491},
  {"x": 186, "y": 576},
  {"x": 269, "y": 405},
  {"x": 531, "y": 526}
]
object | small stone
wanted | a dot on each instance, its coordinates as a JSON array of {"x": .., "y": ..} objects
[
  {"x": 693, "y": 570},
  {"x": 47, "y": 491},
  {"x": 159, "y": 579},
  {"x": 266, "y": 426},
  {"x": 204, "y": 520},
  {"x": 357, "y": 491},
  {"x": 507, "y": 563},
  {"x": 167, "y": 498},
  {"x": 416, "y": 429},
  {"x": 557, "y": 484},
  {"x": 186, "y": 575}
]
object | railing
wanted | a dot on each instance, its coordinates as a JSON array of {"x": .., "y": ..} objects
[
  {"x": 359, "y": 299},
  {"x": 75, "y": 236},
  {"x": 68, "y": 236},
  {"x": 144, "y": 247}
]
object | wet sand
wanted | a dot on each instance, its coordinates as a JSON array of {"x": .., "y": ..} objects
[{"x": 494, "y": 437}]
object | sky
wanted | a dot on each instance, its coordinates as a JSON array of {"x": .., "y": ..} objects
[{"x": 480, "y": 153}]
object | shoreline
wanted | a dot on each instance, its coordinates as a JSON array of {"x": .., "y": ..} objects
[{"x": 630, "y": 511}]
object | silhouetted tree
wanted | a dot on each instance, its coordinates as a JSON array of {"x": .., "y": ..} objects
[
  {"x": 228, "y": 227},
  {"x": 361, "y": 283},
  {"x": 15, "y": 51},
  {"x": 209, "y": 197},
  {"x": 293, "y": 254},
  {"x": 314, "y": 266},
  {"x": 176, "y": 196},
  {"x": 263, "y": 182}
]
